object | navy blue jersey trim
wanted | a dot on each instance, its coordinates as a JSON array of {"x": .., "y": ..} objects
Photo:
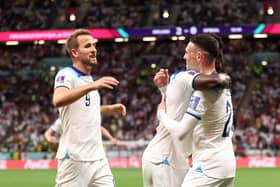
[
  {"x": 62, "y": 86},
  {"x": 78, "y": 71},
  {"x": 195, "y": 116},
  {"x": 194, "y": 80}
]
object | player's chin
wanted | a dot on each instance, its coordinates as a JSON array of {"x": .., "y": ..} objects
[{"x": 93, "y": 61}]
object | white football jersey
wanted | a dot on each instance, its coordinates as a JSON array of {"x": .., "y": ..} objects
[
  {"x": 162, "y": 148},
  {"x": 212, "y": 144},
  {"x": 81, "y": 120}
]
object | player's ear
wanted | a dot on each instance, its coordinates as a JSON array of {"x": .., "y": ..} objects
[
  {"x": 74, "y": 52},
  {"x": 199, "y": 56}
]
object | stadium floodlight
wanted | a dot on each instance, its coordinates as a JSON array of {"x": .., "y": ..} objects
[
  {"x": 149, "y": 39},
  {"x": 181, "y": 38},
  {"x": 12, "y": 43},
  {"x": 61, "y": 41},
  {"x": 235, "y": 36},
  {"x": 72, "y": 17},
  {"x": 165, "y": 14},
  {"x": 119, "y": 40},
  {"x": 270, "y": 11},
  {"x": 264, "y": 63},
  {"x": 260, "y": 35},
  {"x": 153, "y": 65},
  {"x": 52, "y": 68},
  {"x": 174, "y": 38},
  {"x": 39, "y": 42}
]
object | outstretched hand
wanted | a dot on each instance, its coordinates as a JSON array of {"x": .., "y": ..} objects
[
  {"x": 105, "y": 82},
  {"x": 225, "y": 80},
  {"x": 119, "y": 109}
]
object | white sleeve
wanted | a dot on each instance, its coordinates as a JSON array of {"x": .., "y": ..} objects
[
  {"x": 57, "y": 126},
  {"x": 177, "y": 129},
  {"x": 63, "y": 79}
]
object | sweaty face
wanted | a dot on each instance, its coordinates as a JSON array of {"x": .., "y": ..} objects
[
  {"x": 86, "y": 52},
  {"x": 191, "y": 57}
]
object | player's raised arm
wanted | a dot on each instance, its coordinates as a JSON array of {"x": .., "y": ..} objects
[
  {"x": 161, "y": 80},
  {"x": 203, "y": 81},
  {"x": 63, "y": 95}
]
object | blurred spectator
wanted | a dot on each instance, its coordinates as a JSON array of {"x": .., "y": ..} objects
[{"x": 63, "y": 14}]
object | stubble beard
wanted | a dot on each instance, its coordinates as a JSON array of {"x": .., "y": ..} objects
[{"x": 90, "y": 63}]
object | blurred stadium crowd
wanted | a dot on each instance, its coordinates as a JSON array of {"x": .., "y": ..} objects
[
  {"x": 26, "y": 82},
  {"x": 58, "y": 14}
]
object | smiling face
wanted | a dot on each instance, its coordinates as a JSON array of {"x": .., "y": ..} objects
[{"x": 86, "y": 51}]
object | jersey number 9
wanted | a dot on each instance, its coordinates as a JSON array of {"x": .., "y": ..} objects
[{"x": 87, "y": 101}]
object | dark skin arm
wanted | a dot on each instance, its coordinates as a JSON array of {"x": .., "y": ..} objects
[{"x": 203, "y": 81}]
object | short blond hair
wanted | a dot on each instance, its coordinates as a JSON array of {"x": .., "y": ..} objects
[{"x": 72, "y": 42}]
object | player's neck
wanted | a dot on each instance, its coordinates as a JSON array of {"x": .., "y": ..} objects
[{"x": 208, "y": 69}]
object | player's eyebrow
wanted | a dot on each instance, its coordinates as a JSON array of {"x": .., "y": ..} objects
[{"x": 89, "y": 44}]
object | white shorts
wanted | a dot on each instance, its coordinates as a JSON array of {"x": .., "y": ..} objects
[
  {"x": 71, "y": 173},
  {"x": 199, "y": 179},
  {"x": 155, "y": 175},
  {"x": 161, "y": 175}
]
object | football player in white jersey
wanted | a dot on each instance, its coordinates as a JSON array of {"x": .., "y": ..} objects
[
  {"x": 56, "y": 129},
  {"x": 81, "y": 156},
  {"x": 208, "y": 120},
  {"x": 164, "y": 161}
]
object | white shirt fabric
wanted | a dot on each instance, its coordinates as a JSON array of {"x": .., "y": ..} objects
[
  {"x": 81, "y": 121},
  {"x": 57, "y": 126},
  {"x": 212, "y": 144},
  {"x": 161, "y": 148}
]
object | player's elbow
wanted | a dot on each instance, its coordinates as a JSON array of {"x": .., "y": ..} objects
[
  {"x": 56, "y": 103},
  {"x": 60, "y": 97},
  {"x": 58, "y": 100}
]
